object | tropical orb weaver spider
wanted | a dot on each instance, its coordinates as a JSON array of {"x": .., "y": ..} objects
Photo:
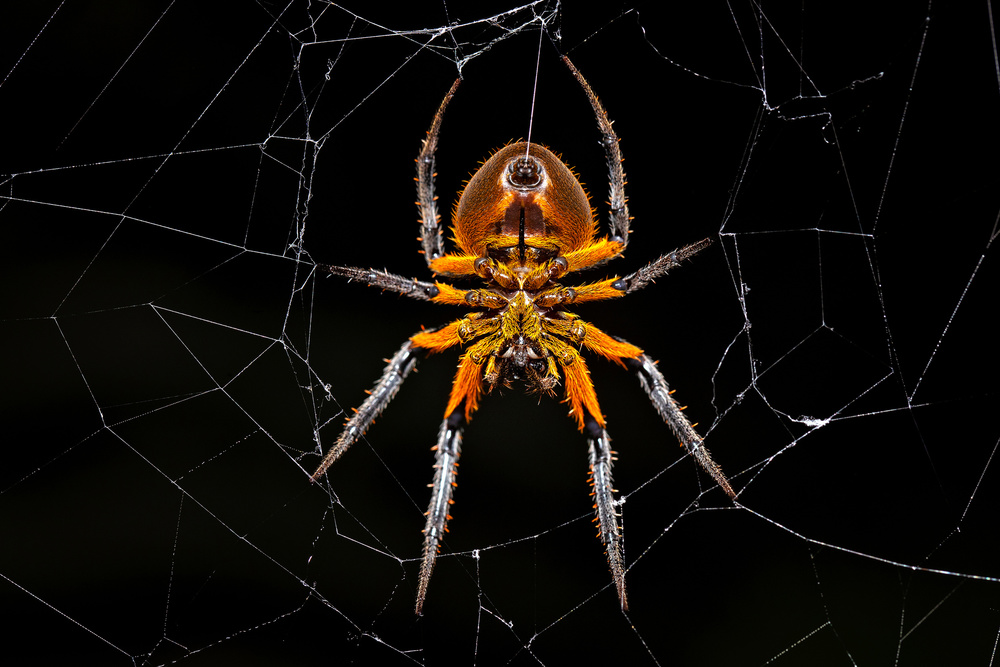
[{"x": 522, "y": 222}]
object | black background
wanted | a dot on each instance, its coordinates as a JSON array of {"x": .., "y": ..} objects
[{"x": 165, "y": 346}]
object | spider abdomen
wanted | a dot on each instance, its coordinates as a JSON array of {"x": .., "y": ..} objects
[{"x": 523, "y": 196}]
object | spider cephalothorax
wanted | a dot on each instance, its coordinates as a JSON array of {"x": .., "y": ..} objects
[{"x": 522, "y": 223}]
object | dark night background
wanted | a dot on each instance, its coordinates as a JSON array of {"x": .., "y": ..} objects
[{"x": 165, "y": 344}]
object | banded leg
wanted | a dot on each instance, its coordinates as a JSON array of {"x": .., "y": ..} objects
[
  {"x": 430, "y": 221},
  {"x": 656, "y": 387},
  {"x": 446, "y": 453},
  {"x": 601, "y": 458},
  {"x": 384, "y": 391},
  {"x": 616, "y": 174}
]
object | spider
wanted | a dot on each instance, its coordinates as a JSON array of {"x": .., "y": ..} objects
[{"x": 523, "y": 222}]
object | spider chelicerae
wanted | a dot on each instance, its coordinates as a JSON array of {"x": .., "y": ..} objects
[{"x": 523, "y": 222}]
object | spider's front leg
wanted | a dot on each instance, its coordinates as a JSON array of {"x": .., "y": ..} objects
[
  {"x": 617, "y": 200},
  {"x": 430, "y": 221},
  {"x": 446, "y": 453}
]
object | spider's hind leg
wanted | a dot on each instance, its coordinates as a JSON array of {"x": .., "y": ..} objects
[
  {"x": 446, "y": 453},
  {"x": 601, "y": 459},
  {"x": 656, "y": 387},
  {"x": 380, "y": 395}
]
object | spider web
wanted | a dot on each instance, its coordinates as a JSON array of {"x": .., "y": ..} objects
[{"x": 174, "y": 364}]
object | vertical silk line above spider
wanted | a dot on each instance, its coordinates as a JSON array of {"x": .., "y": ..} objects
[{"x": 523, "y": 222}]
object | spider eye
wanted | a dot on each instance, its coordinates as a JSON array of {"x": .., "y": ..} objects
[{"x": 525, "y": 173}]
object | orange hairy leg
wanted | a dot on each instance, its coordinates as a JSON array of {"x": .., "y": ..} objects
[
  {"x": 609, "y": 347},
  {"x": 467, "y": 387},
  {"x": 593, "y": 254},
  {"x": 455, "y": 265},
  {"x": 440, "y": 339},
  {"x": 580, "y": 392}
]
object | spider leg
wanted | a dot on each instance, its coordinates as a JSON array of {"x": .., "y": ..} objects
[
  {"x": 446, "y": 453},
  {"x": 384, "y": 391},
  {"x": 437, "y": 292},
  {"x": 659, "y": 267},
  {"x": 430, "y": 221},
  {"x": 617, "y": 200},
  {"x": 601, "y": 458},
  {"x": 411, "y": 287},
  {"x": 585, "y": 409},
  {"x": 656, "y": 387}
]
